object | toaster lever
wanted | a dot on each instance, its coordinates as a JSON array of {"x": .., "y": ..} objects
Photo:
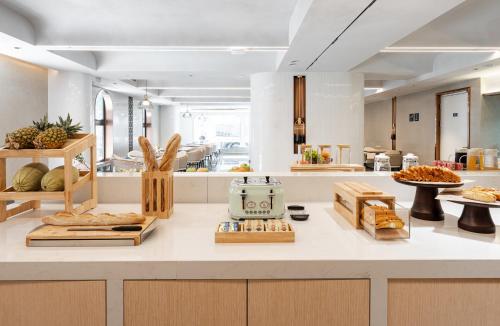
[
  {"x": 243, "y": 197},
  {"x": 271, "y": 195}
]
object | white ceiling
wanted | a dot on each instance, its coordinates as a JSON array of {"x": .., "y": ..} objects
[
  {"x": 204, "y": 51},
  {"x": 158, "y": 22}
]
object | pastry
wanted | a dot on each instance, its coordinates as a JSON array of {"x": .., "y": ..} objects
[
  {"x": 70, "y": 219},
  {"x": 425, "y": 173},
  {"x": 149, "y": 154},
  {"x": 486, "y": 195},
  {"x": 168, "y": 159}
]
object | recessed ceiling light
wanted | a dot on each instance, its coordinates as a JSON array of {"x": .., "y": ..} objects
[{"x": 17, "y": 47}]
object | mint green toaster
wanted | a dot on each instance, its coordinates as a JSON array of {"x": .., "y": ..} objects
[{"x": 256, "y": 198}]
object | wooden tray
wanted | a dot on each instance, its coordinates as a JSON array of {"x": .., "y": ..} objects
[
  {"x": 243, "y": 236},
  {"x": 327, "y": 168},
  {"x": 349, "y": 197},
  {"x": 55, "y": 235}
]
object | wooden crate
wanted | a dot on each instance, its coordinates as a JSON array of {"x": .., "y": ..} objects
[
  {"x": 349, "y": 197},
  {"x": 243, "y": 236},
  {"x": 31, "y": 200},
  {"x": 158, "y": 193}
]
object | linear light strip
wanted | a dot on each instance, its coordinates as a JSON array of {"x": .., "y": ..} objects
[
  {"x": 434, "y": 49},
  {"x": 161, "y": 48},
  {"x": 198, "y": 88}
]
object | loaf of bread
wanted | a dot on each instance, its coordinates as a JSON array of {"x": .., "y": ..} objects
[
  {"x": 168, "y": 159},
  {"x": 149, "y": 154},
  {"x": 70, "y": 219},
  {"x": 382, "y": 217},
  {"x": 425, "y": 173}
]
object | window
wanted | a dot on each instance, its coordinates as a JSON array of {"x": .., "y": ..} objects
[{"x": 103, "y": 123}]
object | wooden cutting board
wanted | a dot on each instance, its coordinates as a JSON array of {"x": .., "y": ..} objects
[{"x": 56, "y": 235}]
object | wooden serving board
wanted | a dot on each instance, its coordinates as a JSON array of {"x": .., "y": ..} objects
[
  {"x": 243, "y": 236},
  {"x": 54, "y": 233},
  {"x": 349, "y": 197}
]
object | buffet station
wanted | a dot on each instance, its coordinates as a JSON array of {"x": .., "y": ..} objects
[{"x": 350, "y": 237}]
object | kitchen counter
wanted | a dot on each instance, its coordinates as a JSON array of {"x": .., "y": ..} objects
[{"x": 326, "y": 247}]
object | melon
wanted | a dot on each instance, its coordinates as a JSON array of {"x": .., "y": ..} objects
[
  {"x": 29, "y": 177},
  {"x": 54, "y": 179}
]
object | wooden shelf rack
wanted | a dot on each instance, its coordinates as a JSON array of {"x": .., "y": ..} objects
[{"x": 31, "y": 200}]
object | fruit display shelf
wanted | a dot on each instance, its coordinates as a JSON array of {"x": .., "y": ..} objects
[{"x": 31, "y": 200}]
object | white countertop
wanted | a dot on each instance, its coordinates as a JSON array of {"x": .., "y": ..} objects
[{"x": 188, "y": 237}]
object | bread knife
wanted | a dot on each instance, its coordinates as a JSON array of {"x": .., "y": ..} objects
[{"x": 113, "y": 228}]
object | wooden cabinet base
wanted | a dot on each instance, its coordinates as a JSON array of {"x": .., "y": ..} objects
[
  {"x": 308, "y": 302},
  {"x": 438, "y": 302},
  {"x": 54, "y": 303},
  {"x": 185, "y": 302}
]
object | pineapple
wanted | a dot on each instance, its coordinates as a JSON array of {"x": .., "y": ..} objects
[
  {"x": 51, "y": 138},
  {"x": 21, "y": 138},
  {"x": 43, "y": 124},
  {"x": 66, "y": 124}
]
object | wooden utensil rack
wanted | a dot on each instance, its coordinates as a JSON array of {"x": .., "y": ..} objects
[
  {"x": 31, "y": 200},
  {"x": 349, "y": 197}
]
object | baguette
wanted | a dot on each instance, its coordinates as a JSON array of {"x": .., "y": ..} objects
[
  {"x": 149, "y": 156},
  {"x": 168, "y": 159},
  {"x": 70, "y": 219}
]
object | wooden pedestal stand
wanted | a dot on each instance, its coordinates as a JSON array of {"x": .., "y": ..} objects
[
  {"x": 31, "y": 200},
  {"x": 425, "y": 205}
]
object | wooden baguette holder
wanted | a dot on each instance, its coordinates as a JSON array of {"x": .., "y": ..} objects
[
  {"x": 349, "y": 197},
  {"x": 243, "y": 236},
  {"x": 157, "y": 193},
  {"x": 31, "y": 199}
]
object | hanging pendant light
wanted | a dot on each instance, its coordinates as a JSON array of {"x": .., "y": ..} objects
[
  {"x": 146, "y": 102},
  {"x": 186, "y": 114}
]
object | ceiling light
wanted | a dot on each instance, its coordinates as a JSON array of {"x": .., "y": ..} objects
[
  {"x": 186, "y": 114},
  {"x": 146, "y": 102},
  {"x": 17, "y": 48},
  {"x": 433, "y": 49}
]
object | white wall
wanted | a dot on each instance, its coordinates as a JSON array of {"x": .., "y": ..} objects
[
  {"x": 420, "y": 137},
  {"x": 490, "y": 122},
  {"x": 378, "y": 120},
  {"x": 334, "y": 115},
  {"x": 24, "y": 99},
  {"x": 70, "y": 92}
]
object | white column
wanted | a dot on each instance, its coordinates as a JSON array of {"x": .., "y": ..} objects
[
  {"x": 168, "y": 123},
  {"x": 271, "y": 121},
  {"x": 335, "y": 111}
]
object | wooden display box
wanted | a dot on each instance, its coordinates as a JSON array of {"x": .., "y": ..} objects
[
  {"x": 158, "y": 193},
  {"x": 243, "y": 236},
  {"x": 31, "y": 200},
  {"x": 349, "y": 198}
]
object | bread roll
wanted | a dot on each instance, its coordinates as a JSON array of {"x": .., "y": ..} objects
[{"x": 70, "y": 219}]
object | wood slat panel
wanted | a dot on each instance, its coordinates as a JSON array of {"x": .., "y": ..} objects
[
  {"x": 308, "y": 302},
  {"x": 54, "y": 303},
  {"x": 438, "y": 302},
  {"x": 185, "y": 302}
]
